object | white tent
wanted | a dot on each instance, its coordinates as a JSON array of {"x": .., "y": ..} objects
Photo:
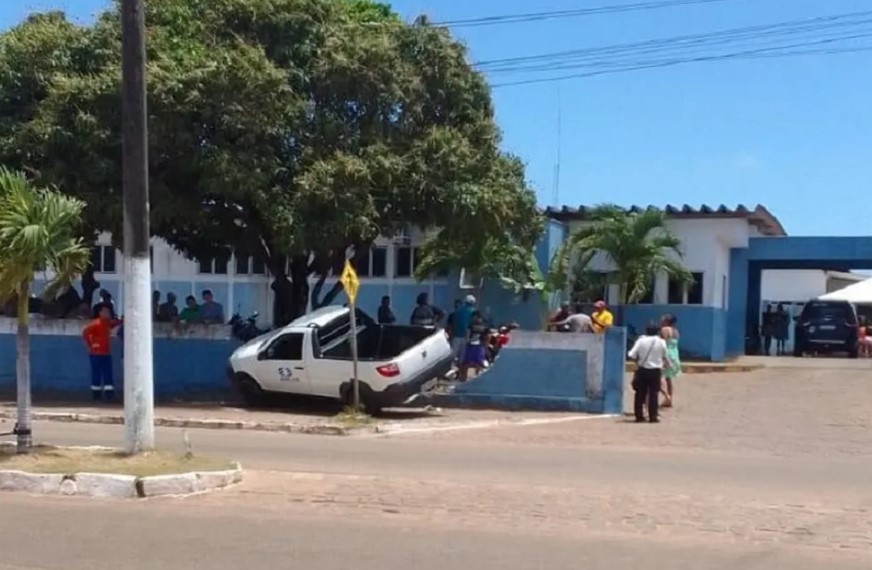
[{"x": 859, "y": 293}]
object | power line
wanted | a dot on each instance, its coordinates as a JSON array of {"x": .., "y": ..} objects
[
  {"x": 728, "y": 36},
  {"x": 562, "y": 14},
  {"x": 760, "y": 44},
  {"x": 748, "y": 54}
]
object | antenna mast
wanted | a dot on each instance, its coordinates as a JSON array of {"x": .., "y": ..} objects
[{"x": 555, "y": 195}]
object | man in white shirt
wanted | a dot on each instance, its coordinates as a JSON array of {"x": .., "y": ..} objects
[{"x": 649, "y": 352}]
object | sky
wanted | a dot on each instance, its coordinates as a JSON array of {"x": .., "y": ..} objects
[{"x": 791, "y": 134}]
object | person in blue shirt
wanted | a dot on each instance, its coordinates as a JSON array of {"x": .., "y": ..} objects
[
  {"x": 459, "y": 331},
  {"x": 211, "y": 312}
]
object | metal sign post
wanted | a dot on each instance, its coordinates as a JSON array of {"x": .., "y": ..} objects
[
  {"x": 354, "y": 381},
  {"x": 351, "y": 284}
]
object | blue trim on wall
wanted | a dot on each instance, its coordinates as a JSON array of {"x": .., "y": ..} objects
[{"x": 614, "y": 359}]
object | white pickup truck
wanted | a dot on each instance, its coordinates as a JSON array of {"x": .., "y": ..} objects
[{"x": 312, "y": 356}]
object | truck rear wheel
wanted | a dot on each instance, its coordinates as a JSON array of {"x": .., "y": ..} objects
[{"x": 366, "y": 399}]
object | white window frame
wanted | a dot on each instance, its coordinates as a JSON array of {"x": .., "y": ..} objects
[
  {"x": 213, "y": 260},
  {"x": 370, "y": 253},
  {"x": 413, "y": 255},
  {"x": 686, "y": 290},
  {"x": 249, "y": 266},
  {"x": 103, "y": 249}
]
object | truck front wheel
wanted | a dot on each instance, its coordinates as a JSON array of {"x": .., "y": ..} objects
[{"x": 251, "y": 392}]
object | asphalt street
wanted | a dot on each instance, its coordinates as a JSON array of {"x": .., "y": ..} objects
[{"x": 435, "y": 502}]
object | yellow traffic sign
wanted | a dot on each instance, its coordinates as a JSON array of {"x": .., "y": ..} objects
[{"x": 350, "y": 282}]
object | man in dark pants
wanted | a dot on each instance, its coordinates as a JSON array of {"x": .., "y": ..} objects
[{"x": 649, "y": 352}]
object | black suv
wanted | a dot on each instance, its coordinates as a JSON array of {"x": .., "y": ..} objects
[{"x": 826, "y": 327}]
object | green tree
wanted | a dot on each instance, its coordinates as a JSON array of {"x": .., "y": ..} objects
[
  {"x": 493, "y": 235},
  {"x": 295, "y": 131},
  {"x": 37, "y": 58},
  {"x": 638, "y": 246},
  {"x": 39, "y": 231}
]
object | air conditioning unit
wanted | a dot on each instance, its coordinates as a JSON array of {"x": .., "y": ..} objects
[{"x": 467, "y": 283}]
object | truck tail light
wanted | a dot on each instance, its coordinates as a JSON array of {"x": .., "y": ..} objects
[{"x": 390, "y": 370}]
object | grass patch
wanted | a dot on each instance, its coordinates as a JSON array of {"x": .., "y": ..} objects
[
  {"x": 351, "y": 417},
  {"x": 46, "y": 459}
]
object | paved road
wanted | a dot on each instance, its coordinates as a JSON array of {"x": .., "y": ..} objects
[
  {"x": 77, "y": 535},
  {"x": 751, "y": 471}
]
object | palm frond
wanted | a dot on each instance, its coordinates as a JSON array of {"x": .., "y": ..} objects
[
  {"x": 639, "y": 245},
  {"x": 39, "y": 229}
]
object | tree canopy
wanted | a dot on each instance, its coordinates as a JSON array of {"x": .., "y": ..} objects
[{"x": 295, "y": 131}]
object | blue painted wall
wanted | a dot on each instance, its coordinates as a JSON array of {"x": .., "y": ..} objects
[
  {"x": 702, "y": 329},
  {"x": 550, "y": 372},
  {"x": 59, "y": 366}
]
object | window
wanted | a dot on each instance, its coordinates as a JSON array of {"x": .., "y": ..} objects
[
  {"x": 213, "y": 266},
  {"x": 589, "y": 286},
  {"x": 648, "y": 298},
  {"x": 249, "y": 265},
  {"x": 416, "y": 259},
  {"x": 403, "y": 262},
  {"x": 373, "y": 263},
  {"x": 379, "y": 264},
  {"x": 694, "y": 291},
  {"x": 103, "y": 258},
  {"x": 286, "y": 347},
  {"x": 676, "y": 292},
  {"x": 679, "y": 294}
]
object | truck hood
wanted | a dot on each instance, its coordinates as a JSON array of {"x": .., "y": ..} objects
[{"x": 251, "y": 348}]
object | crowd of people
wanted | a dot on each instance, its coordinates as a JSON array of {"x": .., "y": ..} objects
[
  {"x": 474, "y": 340},
  {"x": 98, "y": 332},
  {"x": 574, "y": 319}
]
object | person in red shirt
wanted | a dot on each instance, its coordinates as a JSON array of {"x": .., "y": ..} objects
[{"x": 96, "y": 336}]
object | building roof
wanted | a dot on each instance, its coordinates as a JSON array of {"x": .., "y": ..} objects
[{"x": 766, "y": 223}]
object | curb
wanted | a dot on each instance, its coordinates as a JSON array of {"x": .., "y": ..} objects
[
  {"x": 713, "y": 368},
  {"x": 105, "y": 485},
  {"x": 118, "y": 419}
]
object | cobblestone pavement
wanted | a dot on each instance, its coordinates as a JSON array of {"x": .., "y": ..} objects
[
  {"x": 697, "y": 514},
  {"x": 786, "y": 412}
]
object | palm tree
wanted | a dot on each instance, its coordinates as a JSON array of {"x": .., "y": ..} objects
[
  {"x": 637, "y": 244},
  {"x": 38, "y": 232}
]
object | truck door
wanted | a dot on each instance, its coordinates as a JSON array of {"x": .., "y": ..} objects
[{"x": 281, "y": 365}]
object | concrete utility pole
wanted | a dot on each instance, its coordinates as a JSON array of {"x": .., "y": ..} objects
[{"x": 138, "y": 364}]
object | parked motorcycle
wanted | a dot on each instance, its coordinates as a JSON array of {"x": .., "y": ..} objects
[{"x": 245, "y": 329}]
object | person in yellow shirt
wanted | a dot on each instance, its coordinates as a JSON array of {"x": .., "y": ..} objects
[{"x": 601, "y": 318}]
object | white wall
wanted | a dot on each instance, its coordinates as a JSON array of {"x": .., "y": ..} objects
[
  {"x": 705, "y": 246},
  {"x": 797, "y": 285}
]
